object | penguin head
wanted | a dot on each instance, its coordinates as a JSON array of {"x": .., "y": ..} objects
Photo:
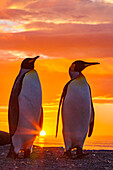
[
  {"x": 28, "y": 63},
  {"x": 79, "y": 65}
]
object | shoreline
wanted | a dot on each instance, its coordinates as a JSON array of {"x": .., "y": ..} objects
[{"x": 52, "y": 158}]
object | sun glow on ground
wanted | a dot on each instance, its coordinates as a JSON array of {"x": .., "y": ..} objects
[{"x": 42, "y": 133}]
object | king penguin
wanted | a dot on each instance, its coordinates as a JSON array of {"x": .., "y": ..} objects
[
  {"x": 25, "y": 113},
  {"x": 77, "y": 109}
]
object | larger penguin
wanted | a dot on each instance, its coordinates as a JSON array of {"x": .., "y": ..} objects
[
  {"x": 25, "y": 112},
  {"x": 77, "y": 109}
]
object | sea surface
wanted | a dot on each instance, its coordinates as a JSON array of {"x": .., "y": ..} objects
[{"x": 92, "y": 143}]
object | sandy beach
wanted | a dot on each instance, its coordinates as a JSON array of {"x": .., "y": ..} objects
[{"x": 52, "y": 158}]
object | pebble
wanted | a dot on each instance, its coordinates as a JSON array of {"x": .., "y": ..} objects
[
  {"x": 72, "y": 164},
  {"x": 29, "y": 163},
  {"x": 80, "y": 164},
  {"x": 15, "y": 168},
  {"x": 93, "y": 154},
  {"x": 22, "y": 162},
  {"x": 106, "y": 167}
]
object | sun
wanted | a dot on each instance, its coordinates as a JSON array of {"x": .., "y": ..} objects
[{"x": 42, "y": 133}]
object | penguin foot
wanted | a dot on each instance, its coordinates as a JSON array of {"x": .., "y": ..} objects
[
  {"x": 26, "y": 153},
  {"x": 12, "y": 153},
  {"x": 79, "y": 153},
  {"x": 68, "y": 153}
]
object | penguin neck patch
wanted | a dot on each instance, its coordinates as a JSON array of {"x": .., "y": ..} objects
[
  {"x": 23, "y": 71},
  {"x": 73, "y": 74}
]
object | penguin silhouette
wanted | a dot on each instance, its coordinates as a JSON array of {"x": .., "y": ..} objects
[
  {"x": 25, "y": 113},
  {"x": 77, "y": 109}
]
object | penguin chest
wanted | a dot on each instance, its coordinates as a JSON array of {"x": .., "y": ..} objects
[
  {"x": 30, "y": 99},
  {"x": 77, "y": 105}
]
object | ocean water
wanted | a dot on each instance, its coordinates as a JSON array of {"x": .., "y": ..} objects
[{"x": 92, "y": 143}]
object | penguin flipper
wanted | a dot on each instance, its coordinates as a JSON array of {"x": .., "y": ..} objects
[
  {"x": 13, "y": 111},
  {"x": 91, "y": 125},
  {"x": 13, "y": 115},
  {"x": 58, "y": 114},
  {"x": 41, "y": 119},
  {"x": 61, "y": 102}
]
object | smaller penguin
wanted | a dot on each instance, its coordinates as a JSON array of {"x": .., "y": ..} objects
[
  {"x": 25, "y": 113},
  {"x": 77, "y": 109}
]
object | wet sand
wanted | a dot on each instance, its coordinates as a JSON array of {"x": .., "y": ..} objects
[{"x": 52, "y": 158}]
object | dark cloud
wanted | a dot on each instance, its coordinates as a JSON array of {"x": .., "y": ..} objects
[{"x": 15, "y": 14}]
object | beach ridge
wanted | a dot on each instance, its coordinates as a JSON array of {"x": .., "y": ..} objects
[{"x": 52, "y": 158}]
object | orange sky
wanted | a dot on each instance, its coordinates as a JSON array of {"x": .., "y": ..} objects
[{"x": 60, "y": 32}]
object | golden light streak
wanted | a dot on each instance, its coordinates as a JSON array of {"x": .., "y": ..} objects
[
  {"x": 102, "y": 98},
  {"x": 21, "y": 4},
  {"x": 68, "y": 21},
  {"x": 4, "y": 107},
  {"x": 14, "y": 7},
  {"x": 108, "y": 1}
]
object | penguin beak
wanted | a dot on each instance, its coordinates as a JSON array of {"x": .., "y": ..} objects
[
  {"x": 86, "y": 64},
  {"x": 36, "y": 57},
  {"x": 33, "y": 60}
]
